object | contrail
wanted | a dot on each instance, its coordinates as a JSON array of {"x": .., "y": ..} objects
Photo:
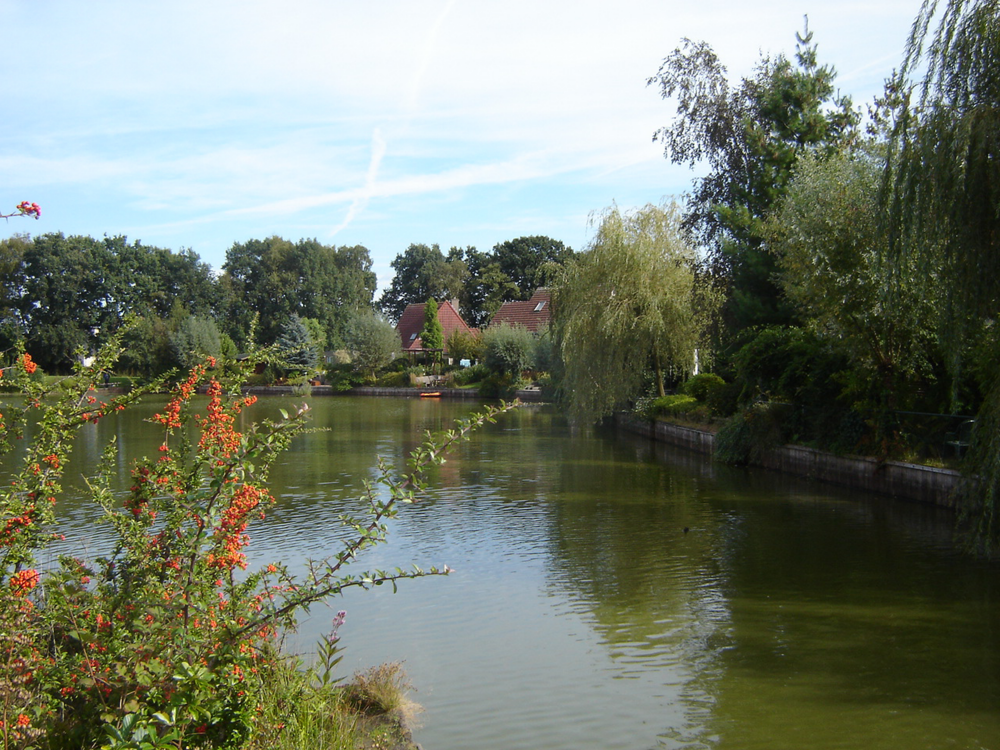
[
  {"x": 378, "y": 143},
  {"x": 364, "y": 196}
]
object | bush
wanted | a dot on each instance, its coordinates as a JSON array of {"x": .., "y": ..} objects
[
  {"x": 473, "y": 374},
  {"x": 673, "y": 405},
  {"x": 393, "y": 380},
  {"x": 508, "y": 350},
  {"x": 503, "y": 386},
  {"x": 702, "y": 386},
  {"x": 461, "y": 345},
  {"x": 399, "y": 364},
  {"x": 343, "y": 377},
  {"x": 725, "y": 399},
  {"x": 748, "y": 436}
]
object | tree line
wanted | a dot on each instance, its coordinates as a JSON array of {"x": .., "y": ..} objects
[{"x": 62, "y": 296}]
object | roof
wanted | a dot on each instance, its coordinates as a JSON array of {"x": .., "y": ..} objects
[
  {"x": 411, "y": 322},
  {"x": 534, "y": 314}
]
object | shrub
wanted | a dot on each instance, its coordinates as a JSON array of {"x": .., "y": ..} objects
[
  {"x": 343, "y": 377},
  {"x": 496, "y": 385},
  {"x": 747, "y": 436},
  {"x": 393, "y": 380},
  {"x": 673, "y": 404},
  {"x": 702, "y": 386},
  {"x": 473, "y": 374},
  {"x": 508, "y": 350},
  {"x": 724, "y": 400},
  {"x": 461, "y": 345}
]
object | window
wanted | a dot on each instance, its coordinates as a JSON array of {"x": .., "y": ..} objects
[
  {"x": 539, "y": 306},
  {"x": 412, "y": 336}
]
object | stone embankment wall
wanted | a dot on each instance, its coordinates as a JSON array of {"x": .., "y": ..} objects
[
  {"x": 902, "y": 480},
  {"x": 467, "y": 394}
]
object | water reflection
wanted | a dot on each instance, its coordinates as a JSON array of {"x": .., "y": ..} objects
[{"x": 582, "y": 614}]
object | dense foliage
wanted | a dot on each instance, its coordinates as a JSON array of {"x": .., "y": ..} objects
[
  {"x": 271, "y": 280},
  {"x": 751, "y": 136}
]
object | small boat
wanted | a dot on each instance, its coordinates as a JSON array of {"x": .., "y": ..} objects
[{"x": 431, "y": 394}]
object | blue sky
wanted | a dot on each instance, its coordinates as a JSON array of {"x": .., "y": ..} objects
[{"x": 372, "y": 122}]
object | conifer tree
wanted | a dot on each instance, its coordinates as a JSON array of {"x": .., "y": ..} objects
[{"x": 431, "y": 335}]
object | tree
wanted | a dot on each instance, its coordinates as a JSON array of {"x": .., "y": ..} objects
[
  {"x": 632, "y": 301},
  {"x": 834, "y": 266},
  {"x": 11, "y": 279},
  {"x": 317, "y": 335},
  {"x": 67, "y": 298},
  {"x": 147, "y": 349},
  {"x": 420, "y": 272},
  {"x": 513, "y": 270},
  {"x": 750, "y": 137},
  {"x": 295, "y": 346},
  {"x": 943, "y": 193},
  {"x": 194, "y": 340},
  {"x": 431, "y": 335},
  {"x": 488, "y": 288},
  {"x": 372, "y": 341},
  {"x": 531, "y": 262},
  {"x": 274, "y": 279},
  {"x": 153, "y": 281}
]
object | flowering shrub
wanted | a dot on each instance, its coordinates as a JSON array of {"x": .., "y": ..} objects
[
  {"x": 24, "y": 209},
  {"x": 168, "y": 640}
]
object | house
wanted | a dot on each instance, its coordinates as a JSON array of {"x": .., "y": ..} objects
[
  {"x": 411, "y": 322},
  {"x": 535, "y": 314}
]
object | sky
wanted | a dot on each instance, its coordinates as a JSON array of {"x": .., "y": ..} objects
[{"x": 373, "y": 122}]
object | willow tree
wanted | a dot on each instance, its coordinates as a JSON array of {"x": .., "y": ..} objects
[
  {"x": 944, "y": 197},
  {"x": 631, "y": 303}
]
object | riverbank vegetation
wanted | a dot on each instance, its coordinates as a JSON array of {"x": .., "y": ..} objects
[{"x": 856, "y": 258}]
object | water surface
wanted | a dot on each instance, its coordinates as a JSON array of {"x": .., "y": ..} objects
[{"x": 614, "y": 593}]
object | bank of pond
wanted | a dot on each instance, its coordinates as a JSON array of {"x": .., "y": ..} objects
[{"x": 611, "y": 591}]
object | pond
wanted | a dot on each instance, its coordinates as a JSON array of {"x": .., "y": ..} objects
[{"x": 614, "y": 593}]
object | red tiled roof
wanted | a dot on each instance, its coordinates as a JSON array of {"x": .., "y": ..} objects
[
  {"x": 534, "y": 314},
  {"x": 411, "y": 322}
]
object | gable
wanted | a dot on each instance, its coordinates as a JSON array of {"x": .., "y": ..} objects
[{"x": 411, "y": 322}]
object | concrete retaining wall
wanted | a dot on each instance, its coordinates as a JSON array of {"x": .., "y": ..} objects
[
  {"x": 902, "y": 480},
  {"x": 467, "y": 394}
]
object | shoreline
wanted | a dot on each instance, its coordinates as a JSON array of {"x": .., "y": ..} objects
[{"x": 906, "y": 481}]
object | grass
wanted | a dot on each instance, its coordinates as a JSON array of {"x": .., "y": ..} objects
[
  {"x": 363, "y": 714},
  {"x": 380, "y": 690}
]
